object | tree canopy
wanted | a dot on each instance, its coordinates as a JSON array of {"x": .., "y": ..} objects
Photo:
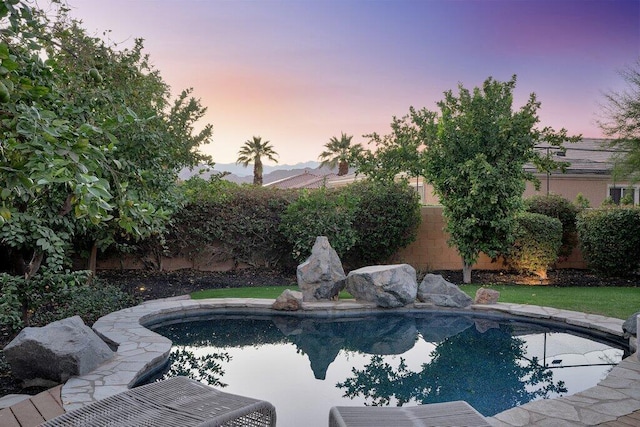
[
  {"x": 473, "y": 152},
  {"x": 622, "y": 122},
  {"x": 254, "y": 150},
  {"x": 338, "y": 153},
  {"x": 397, "y": 154},
  {"x": 91, "y": 140},
  {"x": 477, "y": 148}
]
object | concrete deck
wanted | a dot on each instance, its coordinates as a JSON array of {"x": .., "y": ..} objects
[{"x": 615, "y": 401}]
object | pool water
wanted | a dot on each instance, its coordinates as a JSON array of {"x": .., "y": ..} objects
[{"x": 306, "y": 365}]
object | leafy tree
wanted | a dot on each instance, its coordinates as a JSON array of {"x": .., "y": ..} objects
[
  {"x": 476, "y": 151},
  {"x": 52, "y": 176},
  {"x": 90, "y": 143},
  {"x": 153, "y": 136},
  {"x": 622, "y": 122},
  {"x": 338, "y": 153},
  {"x": 398, "y": 153},
  {"x": 254, "y": 150}
]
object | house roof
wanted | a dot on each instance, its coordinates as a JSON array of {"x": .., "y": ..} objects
[
  {"x": 589, "y": 156},
  {"x": 303, "y": 180}
]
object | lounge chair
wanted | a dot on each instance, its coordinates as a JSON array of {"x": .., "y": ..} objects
[
  {"x": 458, "y": 413},
  {"x": 177, "y": 401}
]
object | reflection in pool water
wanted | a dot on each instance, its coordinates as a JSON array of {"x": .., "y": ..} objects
[{"x": 305, "y": 365}]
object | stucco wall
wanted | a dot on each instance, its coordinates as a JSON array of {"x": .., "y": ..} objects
[
  {"x": 593, "y": 187},
  {"x": 431, "y": 252}
]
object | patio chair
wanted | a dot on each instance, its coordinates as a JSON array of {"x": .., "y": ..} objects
[
  {"x": 458, "y": 413},
  {"x": 177, "y": 401}
]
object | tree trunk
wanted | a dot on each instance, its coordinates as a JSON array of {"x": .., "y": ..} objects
[
  {"x": 466, "y": 272},
  {"x": 30, "y": 270},
  {"x": 257, "y": 172},
  {"x": 93, "y": 259},
  {"x": 343, "y": 168}
]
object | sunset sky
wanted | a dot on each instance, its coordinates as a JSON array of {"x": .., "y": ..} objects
[{"x": 298, "y": 72}]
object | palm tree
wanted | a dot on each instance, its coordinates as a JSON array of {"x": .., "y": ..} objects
[
  {"x": 338, "y": 152},
  {"x": 252, "y": 151}
]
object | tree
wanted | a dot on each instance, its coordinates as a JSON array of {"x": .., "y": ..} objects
[
  {"x": 90, "y": 143},
  {"x": 254, "y": 150},
  {"x": 338, "y": 152},
  {"x": 476, "y": 151},
  {"x": 622, "y": 122},
  {"x": 397, "y": 154}
]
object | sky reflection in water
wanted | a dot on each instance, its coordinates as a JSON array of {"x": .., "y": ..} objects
[{"x": 304, "y": 366}]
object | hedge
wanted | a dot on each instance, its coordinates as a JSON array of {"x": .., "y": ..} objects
[
  {"x": 610, "y": 239},
  {"x": 538, "y": 238}
]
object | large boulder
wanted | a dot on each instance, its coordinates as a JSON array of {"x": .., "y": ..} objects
[
  {"x": 321, "y": 277},
  {"x": 436, "y": 290},
  {"x": 385, "y": 285},
  {"x": 57, "y": 351}
]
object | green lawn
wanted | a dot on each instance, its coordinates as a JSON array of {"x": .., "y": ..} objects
[{"x": 610, "y": 301}]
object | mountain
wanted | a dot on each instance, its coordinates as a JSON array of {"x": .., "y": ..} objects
[{"x": 240, "y": 174}]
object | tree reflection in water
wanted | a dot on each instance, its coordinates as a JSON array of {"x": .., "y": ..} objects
[
  {"x": 489, "y": 370},
  {"x": 204, "y": 368}
]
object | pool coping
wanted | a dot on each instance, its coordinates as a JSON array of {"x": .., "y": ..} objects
[{"x": 141, "y": 351}]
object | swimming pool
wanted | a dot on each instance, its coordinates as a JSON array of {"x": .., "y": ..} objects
[{"x": 305, "y": 365}]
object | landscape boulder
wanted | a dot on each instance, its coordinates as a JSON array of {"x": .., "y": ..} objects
[
  {"x": 434, "y": 289},
  {"x": 321, "y": 277},
  {"x": 387, "y": 286},
  {"x": 56, "y": 351},
  {"x": 630, "y": 326},
  {"x": 486, "y": 296},
  {"x": 288, "y": 300}
]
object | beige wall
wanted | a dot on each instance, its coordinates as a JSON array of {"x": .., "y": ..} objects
[
  {"x": 431, "y": 252},
  {"x": 593, "y": 187}
]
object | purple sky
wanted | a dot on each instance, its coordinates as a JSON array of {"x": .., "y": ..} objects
[{"x": 300, "y": 72}]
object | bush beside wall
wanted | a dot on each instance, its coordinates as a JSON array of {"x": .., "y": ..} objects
[
  {"x": 538, "y": 239},
  {"x": 610, "y": 239},
  {"x": 555, "y": 206}
]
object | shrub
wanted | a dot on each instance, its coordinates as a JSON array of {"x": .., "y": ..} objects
[
  {"x": 538, "y": 238},
  {"x": 627, "y": 199},
  {"x": 245, "y": 219},
  {"x": 387, "y": 217},
  {"x": 320, "y": 212},
  {"x": 581, "y": 202},
  {"x": 53, "y": 296},
  {"x": 556, "y": 206},
  {"x": 610, "y": 239},
  {"x": 90, "y": 301}
]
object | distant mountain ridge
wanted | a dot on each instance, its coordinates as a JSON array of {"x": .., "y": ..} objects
[{"x": 241, "y": 175}]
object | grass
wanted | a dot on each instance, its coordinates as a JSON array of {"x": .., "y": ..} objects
[{"x": 615, "y": 302}]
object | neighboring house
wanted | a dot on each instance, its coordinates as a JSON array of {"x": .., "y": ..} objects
[
  {"x": 303, "y": 180},
  {"x": 589, "y": 172}
]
